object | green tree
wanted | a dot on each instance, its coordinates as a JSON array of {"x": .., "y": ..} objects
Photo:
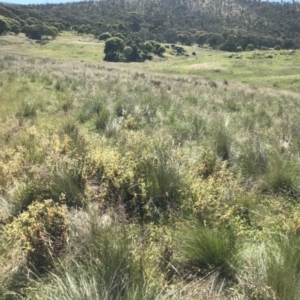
[
  {"x": 36, "y": 32},
  {"x": 185, "y": 39},
  {"x": 250, "y": 47},
  {"x": 148, "y": 47},
  {"x": 127, "y": 53},
  {"x": 113, "y": 48},
  {"x": 201, "y": 38},
  {"x": 104, "y": 36},
  {"x": 170, "y": 36},
  {"x": 84, "y": 29},
  {"x": 4, "y": 26},
  {"x": 119, "y": 35},
  {"x": 230, "y": 44},
  {"x": 215, "y": 40}
]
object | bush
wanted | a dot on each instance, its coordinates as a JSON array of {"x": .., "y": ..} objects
[
  {"x": 41, "y": 231},
  {"x": 113, "y": 48},
  {"x": 104, "y": 36},
  {"x": 249, "y": 47},
  {"x": 277, "y": 47},
  {"x": 239, "y": 49}
]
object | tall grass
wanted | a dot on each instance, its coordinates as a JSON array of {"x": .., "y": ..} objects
[
  {"x": 27, "y": 110},
  {"x": 68, "y": 183},
  {"x": 128, "y": 144},
  {"x": 104, "y": 268},
  {"x": 209, "y": 250},
  {"x": 163, "y": 182},
  {"x": 283, "y": 268}
]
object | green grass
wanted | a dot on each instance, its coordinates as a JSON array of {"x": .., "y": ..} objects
[
  {"x": 207, "y": 250},
  {"x": 253, "y": 67}
]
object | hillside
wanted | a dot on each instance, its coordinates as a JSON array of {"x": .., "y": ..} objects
[{"x": 239, "y": 22}]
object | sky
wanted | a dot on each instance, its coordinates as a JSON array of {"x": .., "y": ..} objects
[
  {"x": 64, "y": 1},
  {"x": 38, "y": 1}
]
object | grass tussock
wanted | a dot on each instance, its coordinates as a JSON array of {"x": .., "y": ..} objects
[{"x": 207, "y": 250}]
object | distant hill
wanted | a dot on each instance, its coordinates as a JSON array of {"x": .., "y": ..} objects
[{"x": 221, "y": 23}]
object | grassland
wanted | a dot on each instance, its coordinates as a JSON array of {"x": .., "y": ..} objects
[
  {"x": 172, "y": 179},
  {"x": 270, "y": 68}
]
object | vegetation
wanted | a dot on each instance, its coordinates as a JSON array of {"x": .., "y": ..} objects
[
  {"x": 173, "y": 179},
  {"x": 259, "y": 23}
]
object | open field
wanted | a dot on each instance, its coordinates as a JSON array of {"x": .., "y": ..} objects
[
  {"x": 171, "y": 179},
  {"x": 275, "y": 69}
]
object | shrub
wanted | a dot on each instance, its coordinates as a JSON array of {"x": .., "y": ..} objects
[
  {"x": 277, "y": 47},
  {"x": 209, "y": 164},
  {"x": 249, "y": 47},
  {"x": 41, "y": 231},
  {"x": 113, "y": 48},
  {"x": 212, "y": 192},
  {"x": 104, "y": 36},
  {"x": 239, "y": 49},
  {"x": 127, "y": 53}
]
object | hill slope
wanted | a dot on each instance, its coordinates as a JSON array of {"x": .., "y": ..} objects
[{"x": 260, "y": 24}]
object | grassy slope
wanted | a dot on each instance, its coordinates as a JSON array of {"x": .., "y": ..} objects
[
  {"x": 161, "y": 138},
  {"x": 254, "y": 68}
]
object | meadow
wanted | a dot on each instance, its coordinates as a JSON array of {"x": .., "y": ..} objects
[{"x": 177, "y": 178}]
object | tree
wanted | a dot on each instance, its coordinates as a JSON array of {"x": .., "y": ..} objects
[
  {"x": 185, "y": 38},
  {"x": 230, "y": 44},
  {"x": 127, "y": 53},
  {"x": 82, "y": 29},
  {"x": 250, "y": 47},
  {"x": 113, "y": 48},
  {"x": 170, "y": 36},
  {"x": 215, "y": 39},
  {"x": 37, "y": 31},
  {"x": 50, "y": 31},
  {"x": 148, "y": 46},
  {"x": 119, "y": 35},
  {"x": 201, "y": 38},
  {"x": 4, "y": 26},
  {"x": 135, "y": 21},
  {"x": 104, "y": 36},
  {"x": 121, "y": 27}
]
